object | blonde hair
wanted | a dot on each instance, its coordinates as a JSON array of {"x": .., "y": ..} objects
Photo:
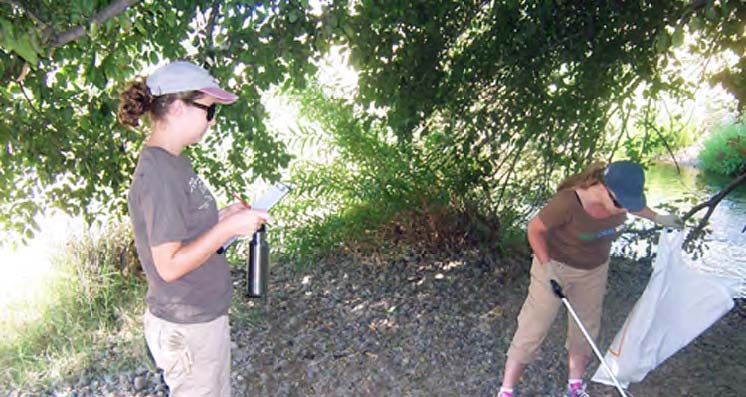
[{"x": 591, "y": 175}]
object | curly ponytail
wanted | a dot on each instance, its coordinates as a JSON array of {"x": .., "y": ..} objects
[{"x": 135, "y": 101}]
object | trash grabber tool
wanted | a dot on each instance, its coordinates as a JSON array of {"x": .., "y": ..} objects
[{"x": 557, "y": 289}]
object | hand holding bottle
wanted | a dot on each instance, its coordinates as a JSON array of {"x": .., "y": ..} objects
[{"x": 246, "y": 221}]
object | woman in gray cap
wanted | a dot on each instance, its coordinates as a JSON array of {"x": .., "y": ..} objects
[
  {"x": 571, "y": 239},
  {"x": 178, "y": 230}
]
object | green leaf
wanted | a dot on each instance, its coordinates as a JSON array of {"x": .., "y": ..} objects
[
  {"x": 25, "y": 49},
  {"x": 140, "y": 28},
  {"x": 35, "y": 43},
  {"x": 696, "y": 23},
  {"x": 710, "y": 12},
  {"x": 662, "y": 42},
  {"x": 293, "y": 16},
  {"x": 6, "y": 27},
  {"x": 93, "y": 30},
  {"x": 677, "y": 39}
]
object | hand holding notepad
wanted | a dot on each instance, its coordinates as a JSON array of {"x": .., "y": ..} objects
[{"x": 265, "y": 202}]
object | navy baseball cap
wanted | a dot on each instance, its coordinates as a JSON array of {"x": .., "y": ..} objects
[{"x": 626, "y": 180}]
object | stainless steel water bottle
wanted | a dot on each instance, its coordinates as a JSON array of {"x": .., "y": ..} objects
[{"x": 258, "y": 266}]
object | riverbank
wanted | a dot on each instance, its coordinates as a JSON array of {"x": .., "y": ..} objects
[
  {"x": 687, "y": 156},
  {"x": 419, "y": 324}
]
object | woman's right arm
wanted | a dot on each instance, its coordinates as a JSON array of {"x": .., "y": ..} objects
[
  {"x": 173, "y": 259},
  {"x": 537, "y": 232}
]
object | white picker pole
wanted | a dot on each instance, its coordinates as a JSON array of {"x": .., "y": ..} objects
[{"x": 558, "y": 291}]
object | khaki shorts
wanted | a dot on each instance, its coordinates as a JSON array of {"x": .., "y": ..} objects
[
  {"x": 195, "y": 358},
  {"x": 585, "y": 289}
]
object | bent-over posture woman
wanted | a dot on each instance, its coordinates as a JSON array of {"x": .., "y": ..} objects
[{"x": 571, "y": 240}]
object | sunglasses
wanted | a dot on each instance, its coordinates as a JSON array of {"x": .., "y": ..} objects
[
  {"x": 614, "y": 200},
  {"x": 209, "y": 109}
]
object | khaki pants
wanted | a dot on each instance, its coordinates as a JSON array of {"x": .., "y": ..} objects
[
  {"x": 585, "y": 289},
  {"x": 195, "y": 358}
]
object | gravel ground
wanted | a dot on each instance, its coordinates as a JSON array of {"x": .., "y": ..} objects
[{"x": 422, "y": 325}]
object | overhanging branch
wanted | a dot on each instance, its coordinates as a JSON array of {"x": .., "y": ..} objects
[
  {"x": 110, "y": 11},
  {"x": 711, "y": 204}
]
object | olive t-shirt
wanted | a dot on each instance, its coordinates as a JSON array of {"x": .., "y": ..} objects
[
  {"x": 168, "y": 202},
  {"x": 576, "y": 238}
]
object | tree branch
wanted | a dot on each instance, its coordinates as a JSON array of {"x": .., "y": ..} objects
[
  {"x": 623, "y": 130},
  {"x": 209, "y": 28},
  {"x": 30, "y": 103},
  {"x": 710, "y": 205},
  {"x": 211, "y": 21},
  {"x": 691, "y": 8},
  {"x": 519, "y": 149},
  {"x": 668, "y": 148},
  {"x": 628, "y": 90},
  {"x": 110, "y": 11},
  {"x": 714, "y": 201}
]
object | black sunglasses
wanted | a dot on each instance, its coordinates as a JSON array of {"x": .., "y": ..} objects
[
  {"x": 209, "y": 109},
  {"x": 613, "y": 199}
]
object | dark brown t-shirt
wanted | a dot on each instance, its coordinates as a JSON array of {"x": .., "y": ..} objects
[
  {"x": 168, "y": 202},
  {"x": 576, "y": 238}
]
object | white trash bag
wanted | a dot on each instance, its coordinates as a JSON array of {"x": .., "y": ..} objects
[{"x": 677, "y": 305}]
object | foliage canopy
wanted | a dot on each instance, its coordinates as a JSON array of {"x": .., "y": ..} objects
[{"x": 509, "y": 94}]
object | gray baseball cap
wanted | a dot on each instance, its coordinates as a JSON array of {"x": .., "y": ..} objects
[{"x": 183, "y": 76}]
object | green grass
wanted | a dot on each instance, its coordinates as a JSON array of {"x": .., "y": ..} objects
[
  {"x": 86, "y": 320},
  {"x": 725, "y": 150}
]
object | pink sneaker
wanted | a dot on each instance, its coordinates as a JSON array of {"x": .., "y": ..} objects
[
  {"x": 505, "y": 394},
  {"x": 577, "y": 390}
]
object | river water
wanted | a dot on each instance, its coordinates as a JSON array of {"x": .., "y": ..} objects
[{"x": 726, "y": 252}]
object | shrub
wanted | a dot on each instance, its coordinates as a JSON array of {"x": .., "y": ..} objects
[
  {"x": 725, "y": 150},
  {"x": 656, "y": 140},
  {"x": 359, "y": 188}
]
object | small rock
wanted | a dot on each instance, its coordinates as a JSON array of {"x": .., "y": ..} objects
[{"x": 140, "y": 382}]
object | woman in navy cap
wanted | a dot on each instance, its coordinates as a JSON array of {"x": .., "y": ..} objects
[
  {"x": 571, "y": 240},
  {"x": 178, "y": 230}
]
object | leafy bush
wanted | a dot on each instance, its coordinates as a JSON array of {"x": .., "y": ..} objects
[
  {"x": 725, "y": 150},
  {"x": 359, "y": 188},
  {"x": 649, "y": 140}
]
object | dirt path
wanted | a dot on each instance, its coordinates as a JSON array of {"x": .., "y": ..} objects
[
  {"x": 428, "y": 326},
  {"x": 421, "y": 325}
]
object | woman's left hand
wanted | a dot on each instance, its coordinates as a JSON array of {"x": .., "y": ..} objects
[{"x": 669, "y": 220}]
